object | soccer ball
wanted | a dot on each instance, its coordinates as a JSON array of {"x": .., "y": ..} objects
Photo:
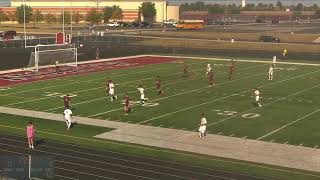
[
  {"x": 81, "y": 45},
  {"x": 146, "y": 99}
]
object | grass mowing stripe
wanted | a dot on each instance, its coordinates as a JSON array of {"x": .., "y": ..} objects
[
  {"x": 208, "y": 102},
  {"x": 282, "y": 127},
  {"x": 185, "y": 92},
  {"x": 280, "y": 99},
  {"x": 127, "y": 92},
  {"x": 86, "y": 81},
  {"x": 172, "y": 152},
  {"x": 85, "y": 90}
]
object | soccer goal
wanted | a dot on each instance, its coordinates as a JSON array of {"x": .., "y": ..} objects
[{"x": 53, "y": 55}]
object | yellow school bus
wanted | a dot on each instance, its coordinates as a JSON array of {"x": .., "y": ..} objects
[{"x": 190, "y": 24}]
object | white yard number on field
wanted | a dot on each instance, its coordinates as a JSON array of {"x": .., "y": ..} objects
[
  {"x": 232, "y": 113},
  {"x": 144, "y": 105},
  {"x": 4, "y": 89},
  {"x": 55, "y": 94}
]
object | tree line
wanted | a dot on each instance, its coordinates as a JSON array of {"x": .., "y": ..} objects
[
  {"x": 234, "y": 9},
  {"x": 147, "y": 10}
]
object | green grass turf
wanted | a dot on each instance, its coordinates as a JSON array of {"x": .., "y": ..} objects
[
  {"x": 228, "y": 105},
  {"x": 83, "y": 135}
]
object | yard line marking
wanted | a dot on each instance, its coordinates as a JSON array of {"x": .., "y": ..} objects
[
  {"x": 85, "y": 81},
  {"x": 225, "y": 97},
  {"x": 282, "y": 127},
  {"x": 236, "y": 60},
  {"x": 84, "y": 90},
  {"x": 184, "y": 92}
]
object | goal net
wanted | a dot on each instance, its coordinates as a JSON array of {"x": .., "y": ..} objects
[{"x": 53, "y": 55}]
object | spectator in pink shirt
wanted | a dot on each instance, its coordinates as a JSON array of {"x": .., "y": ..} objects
[{"x": 30, "y": 134}]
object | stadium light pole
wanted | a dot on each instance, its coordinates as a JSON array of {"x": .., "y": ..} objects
[{"x": 24, "y": 24}]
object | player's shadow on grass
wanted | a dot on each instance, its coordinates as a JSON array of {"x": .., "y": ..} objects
[
  {"x": 74, "y": 124},
  {"x": 39, "y": 142}
]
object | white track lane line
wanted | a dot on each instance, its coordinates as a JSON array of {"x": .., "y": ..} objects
[
  {"x": 119, "y": 159},
  {"x": 282, "y": 127},
  {"x": 102, "y": 162},
  {"x": 164, "y": 151},
  {"x": 208, "y": 102}
]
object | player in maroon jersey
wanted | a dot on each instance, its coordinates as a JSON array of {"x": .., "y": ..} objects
[
  {"x": 231, "y": 69},
  {"x": 66, "y": 101},
  {"x": 211, "y": 78},
  {"x": 185, "y": 70},
  {"x": 127, "y": 107},
  {"x": 158, "y": 85}
]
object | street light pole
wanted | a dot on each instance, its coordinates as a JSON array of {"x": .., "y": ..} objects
[{"x": 24, "y": 24}]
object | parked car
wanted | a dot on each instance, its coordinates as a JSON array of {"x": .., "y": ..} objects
[
  {"x": 113, "y": 24},
  {"x": 258, "y": 20},
  {"x": 8, "y": 34},
  {"x": 145, "y": 24},
  {"x": 269, "y": 39},
  {"x": 275, "y": 21},
  {"x": 170, "y": 22},
  {"x": 135, "y": 24},
  {"x": 124, "y": 24}
]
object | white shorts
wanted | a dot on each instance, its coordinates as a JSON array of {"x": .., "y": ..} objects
[
  {"x": 142, "y": 96},
  {"x": 67, "y": 119},
  {"x": 257, "y": 98},
  {"x": 111, "y": 92},
  {"x": 202, "y": 129},
  {"x": 270, "y": 73}
]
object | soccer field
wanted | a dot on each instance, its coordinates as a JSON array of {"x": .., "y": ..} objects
[{"x": 289, "y": 112}]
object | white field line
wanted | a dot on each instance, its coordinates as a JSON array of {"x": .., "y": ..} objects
[
  {"x": 86, "y": 81},
  {"x": 85, "y": 90},
  {"x": 185, "y": 92},
  {"x": 97, "y": 99},
  {"x": 82, "y": 62},
  {"x": 282, "y": 127},
  {"x": 116, "y": 158},
  {"x": 208, "y": 102},
  {"x": 164, "y": 151},
  {"x": 239, "y": 60},
  {"x": 280, "y": 99}
]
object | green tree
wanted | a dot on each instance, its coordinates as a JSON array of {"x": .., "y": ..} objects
[
  {"x": 299, "y": 7},
  {"x": 67, "y": 17},
  {"x": 93, "y": 17},
  {"x": 148, "y": 11},
  {"x": 76, "y": 17},
  {"x": 50, "y": 18},
  {"x": 107, "y": 14},
  {"x": 20, "y": 13},
  {"x": 3, "y": 16},
  {"x": 279, "y": 5},
  {"x": 117, "y": 13},
  {"x": 317, "y": 14},
  {"x": 37, "y": 17}
]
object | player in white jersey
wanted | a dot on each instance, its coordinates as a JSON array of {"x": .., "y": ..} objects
[
  {"x": 257, "y": 96},
  {"x": 68, "y": 116},
  {"x": 142, "y": 96},
  {"x": 203, "y": 126},
  {"x": 111, "y": 91},
  {"x": 270, "y": 75},
  {"x": 274, "y": 61},
  {"x": 209, "y": 68}
]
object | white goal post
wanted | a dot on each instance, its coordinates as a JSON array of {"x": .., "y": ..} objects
[{"x": 53, "y": 54}]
